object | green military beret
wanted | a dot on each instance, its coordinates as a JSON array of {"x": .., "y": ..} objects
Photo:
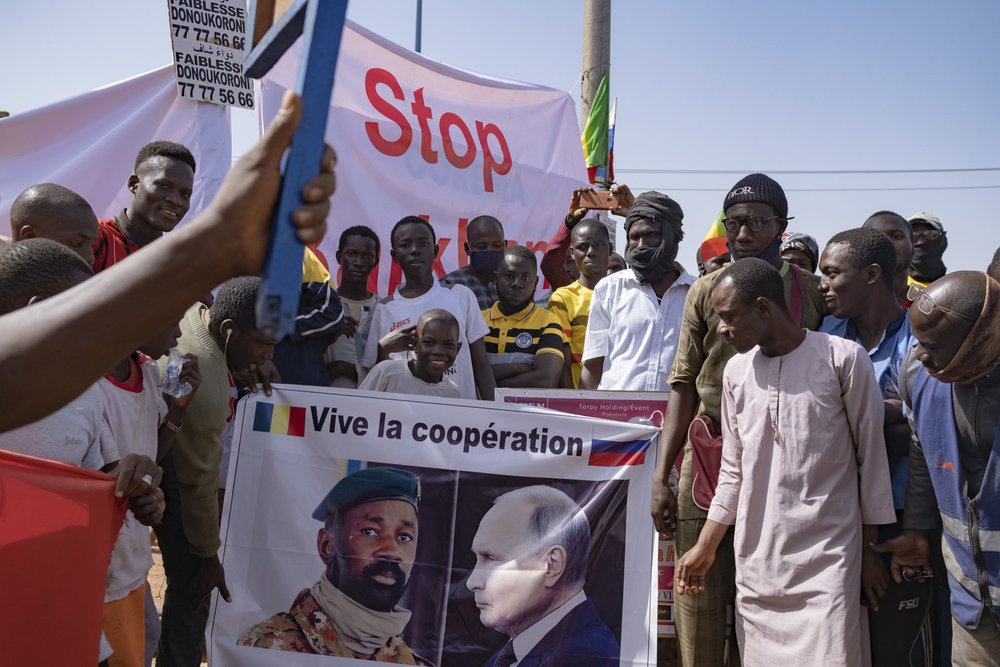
[{"x": 369, "y": 485}]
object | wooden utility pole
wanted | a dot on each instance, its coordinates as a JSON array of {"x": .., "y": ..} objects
[
  {"x": 596, "y": 51},
  {"x": 596, "y": 63}
]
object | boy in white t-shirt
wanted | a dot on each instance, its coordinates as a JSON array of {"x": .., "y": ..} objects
[
  {"x": 142, "y": 424},
  {"x": 391, "y": 333},
  {"x": 437, "y": 344}
]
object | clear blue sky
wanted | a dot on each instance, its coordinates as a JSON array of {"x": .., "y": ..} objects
[{"x": 701, "y": 85}]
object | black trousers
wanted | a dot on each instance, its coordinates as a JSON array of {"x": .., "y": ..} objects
[{"x": 182, "y": 629}]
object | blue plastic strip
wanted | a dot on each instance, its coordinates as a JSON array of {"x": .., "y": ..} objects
[{"x": 323, "y": 25}]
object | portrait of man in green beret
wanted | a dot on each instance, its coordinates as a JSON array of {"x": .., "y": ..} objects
[{"x": 367, "y": 543}]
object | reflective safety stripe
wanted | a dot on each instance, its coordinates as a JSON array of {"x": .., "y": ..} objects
[
  {"x": 956, "y": 528},
  {"x": 989, "y": 540},
  {"x": 969, "y": 584}
]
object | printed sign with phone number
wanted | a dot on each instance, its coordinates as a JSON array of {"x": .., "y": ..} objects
[{"x": 208, "y": 39}]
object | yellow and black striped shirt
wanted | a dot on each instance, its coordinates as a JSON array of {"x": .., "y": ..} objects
[
  {"x": 571, "y": 306},
  {"x": 517, "y": 338}
]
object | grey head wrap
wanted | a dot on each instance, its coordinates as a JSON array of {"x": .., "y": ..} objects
[{"x": 652, "y": 264}]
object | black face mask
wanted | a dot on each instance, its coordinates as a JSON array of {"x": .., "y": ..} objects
[
  {"x": 652, "y": 264},
  {"x": 484, "y": 262},
  {"x": 768, "y": 254}
]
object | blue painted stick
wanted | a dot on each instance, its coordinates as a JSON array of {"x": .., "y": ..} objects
[{"x": 322, "y": 26}]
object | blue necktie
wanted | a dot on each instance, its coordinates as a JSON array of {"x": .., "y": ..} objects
[{"x": 506, "y": 657}]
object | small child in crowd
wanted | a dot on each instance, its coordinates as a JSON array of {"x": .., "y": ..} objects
[{"x": 437, "y": 341}]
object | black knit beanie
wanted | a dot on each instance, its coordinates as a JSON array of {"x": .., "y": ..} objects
[{"x": 758, "y": 188}]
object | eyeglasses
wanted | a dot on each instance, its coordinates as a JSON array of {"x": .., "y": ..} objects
[
  {"x": 926, "y": 304},
  {"x": 754, "y": 223},
  {"x": 928, "y": 234}
]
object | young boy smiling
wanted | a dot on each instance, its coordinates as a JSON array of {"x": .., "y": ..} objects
[
  {"x": 391, "y": 332},
  {"x": 437, "y": 345}
]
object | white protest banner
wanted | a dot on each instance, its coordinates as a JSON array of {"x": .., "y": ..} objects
[
  {"x": 208, "y": 40},
  {"x": 416, "y": 137},
  {"x": 305, "y": 453},
  {"x": 89, "y": 143},
  {"x": 626, "y": 406}
]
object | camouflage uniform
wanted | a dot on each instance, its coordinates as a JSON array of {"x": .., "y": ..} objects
[{"x": 305, "y": 628}]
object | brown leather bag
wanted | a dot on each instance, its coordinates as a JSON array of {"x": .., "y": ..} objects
[{"x": 705, "y": 437}]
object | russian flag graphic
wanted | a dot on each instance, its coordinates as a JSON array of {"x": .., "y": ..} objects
[
  {"x": 280, "y": 419},
  {"x": 611, "y": 453}
]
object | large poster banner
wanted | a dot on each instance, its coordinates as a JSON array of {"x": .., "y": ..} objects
[
  {"x": 417, "y": 137},
  {"x": 396, "y": 528},
  {"x": 626, "y": 406}
]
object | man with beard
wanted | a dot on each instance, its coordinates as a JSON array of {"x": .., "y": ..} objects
[
  {"x": 484, "y": 246},
  {"x": 525, "y": 342},
  {"x": 929, "y": 244},
  {"x": 756, "y": 213},
  {"x": 635, "y": 316},
  {"x": 368, "y": 543}
]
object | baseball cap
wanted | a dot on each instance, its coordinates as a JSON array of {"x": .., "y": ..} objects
[{"x": 928, "y": 218}]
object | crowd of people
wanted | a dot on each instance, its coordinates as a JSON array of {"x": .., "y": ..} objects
[{"x": 832, "y": 414}]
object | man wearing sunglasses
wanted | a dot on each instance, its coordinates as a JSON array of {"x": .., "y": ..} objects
[
  {"x": 929, "y": 244},
  {"x": 756, "y": 214},
  {"x": 950, "y": 383}
]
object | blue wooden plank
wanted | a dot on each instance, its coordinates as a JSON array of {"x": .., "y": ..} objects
[
  {"x": 278, "y": 302},
  {"x": 259, "y": 58}
]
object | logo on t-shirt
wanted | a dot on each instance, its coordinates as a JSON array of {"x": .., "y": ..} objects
[{"x": 523, "y": 340}]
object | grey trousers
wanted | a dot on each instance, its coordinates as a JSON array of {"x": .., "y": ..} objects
[{"x": 976, "y": 648}]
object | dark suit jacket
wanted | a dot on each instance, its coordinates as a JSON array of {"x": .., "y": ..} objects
[{"x": 580, "y": 639}]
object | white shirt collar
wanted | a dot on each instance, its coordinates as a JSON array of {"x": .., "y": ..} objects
[{"x": 528, "y": 639}]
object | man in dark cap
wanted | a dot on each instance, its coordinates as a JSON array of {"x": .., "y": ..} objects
[
  {"x": 368, "y": 543},
  {"x": 756, "y": 214},
  {"x": 801, "y": 250},
  {"x": 635, "y": 315},
  {"x": 929, "y": 244}
]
